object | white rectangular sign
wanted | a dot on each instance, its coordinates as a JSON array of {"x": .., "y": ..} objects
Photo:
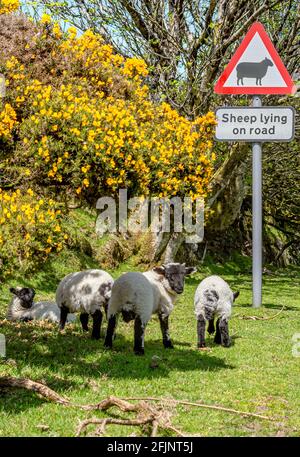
[{"x": 269, "y": 123}]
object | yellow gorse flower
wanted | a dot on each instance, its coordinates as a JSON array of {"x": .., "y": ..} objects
[
  {"x": 8, "y": 120},
  {"x": 8, "y": 6},
  {"x": 30, "y": 225}
]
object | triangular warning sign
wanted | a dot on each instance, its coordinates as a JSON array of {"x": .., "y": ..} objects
[{"x": 255, "y": 68}]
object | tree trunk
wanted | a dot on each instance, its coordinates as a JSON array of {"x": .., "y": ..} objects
[
  {"x": 228, "y": 190},
  {"x": 227, "y": 195}
]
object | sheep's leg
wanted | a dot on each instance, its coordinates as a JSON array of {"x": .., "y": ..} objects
[
  {"x": 84, "y": 319},
  {"x": 63, "y": 317},
  {"x": 97, "y": 321},
  {"x": 211, "y": 326},
  {"x": 201, "y": 332},
  {"x": 164, "y": 325},
  {"x": 224, "y": 330},
  {"x": 112, "y": 322},
  {"x": 217, "y": 339},
  {"x": 139, "y": 334}
]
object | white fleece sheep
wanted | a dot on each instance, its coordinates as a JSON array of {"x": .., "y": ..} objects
[
  {"x": 214, "y": 299},
  {"x": 22, "y": 307},
  {"x": 85, "y": 292},
  {"x": 139, "y": 295}
]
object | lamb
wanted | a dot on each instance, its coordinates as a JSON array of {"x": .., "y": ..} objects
[
  {"x": 85, "y": 292},
  {"x": 214, "y": 298},
  {"x": 255, "y": 70},
  {"x": 23, "y": 308},
  {"x": 139, "y": 295}
]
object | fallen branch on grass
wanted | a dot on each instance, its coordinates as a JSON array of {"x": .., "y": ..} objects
[
  {"x": 38, "y": 387},
  {"x": 146, "y": 414},
  {"x": 155, "y": 418},
  {"x": 259, "y": 318}
]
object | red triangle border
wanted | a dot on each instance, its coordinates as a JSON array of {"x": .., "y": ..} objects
[{"x": 257, "y": 27}]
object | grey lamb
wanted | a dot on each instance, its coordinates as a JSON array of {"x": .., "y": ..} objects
[
  {"x": 85, "y": 292},
  {"x": 214, "y": 298},
  {"x": 139, "y": 295},
  {"x": 23, "y": 308}
]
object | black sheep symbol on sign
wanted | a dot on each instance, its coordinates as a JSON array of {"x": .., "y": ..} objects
[{"x": 255, "y": 70}]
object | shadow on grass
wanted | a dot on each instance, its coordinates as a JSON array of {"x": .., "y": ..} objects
[
  {"x": 15, "y": 400},
  {"x": 68, "y": 361},
  {"x": 69, "y": 354}
]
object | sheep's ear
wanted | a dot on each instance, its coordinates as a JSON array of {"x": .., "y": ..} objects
[
  {"x": 160, "y": 270},
  {"x": 190, "y": 270},
  {"x": 235, "y": 295},
  {"x": 13, "y": 290}
]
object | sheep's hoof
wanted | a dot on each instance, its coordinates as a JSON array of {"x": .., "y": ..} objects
[
  {"x": 108, "y": 345},
  {"x": 95, "y": 336},
  {"x": 226, "y": 344},
  {"x": 168, "y": 344},
  {"x": 139, "y": 351}
]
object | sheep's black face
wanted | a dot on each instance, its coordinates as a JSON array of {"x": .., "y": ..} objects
[
  {"x": 175, "y": 274},
  {"x": 128, "y": 315},
  {"x": 25, "y": 294}
]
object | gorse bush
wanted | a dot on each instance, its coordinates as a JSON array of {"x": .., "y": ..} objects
[
  {"x": 91, "y": 129},
  {"x": 30, "y": 229},
  {"x": 78, "y": 123}
]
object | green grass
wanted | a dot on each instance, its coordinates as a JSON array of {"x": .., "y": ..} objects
[{"x": 257, "y": 374}]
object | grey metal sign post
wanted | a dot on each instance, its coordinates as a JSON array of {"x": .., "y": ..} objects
[
  {"x": 256, "y": 218},
  {"x": 255, "y": 68},
  {"x": 256, "y": 124}
]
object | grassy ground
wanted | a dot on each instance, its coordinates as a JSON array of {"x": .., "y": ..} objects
[{"x": 257, "y": 374}]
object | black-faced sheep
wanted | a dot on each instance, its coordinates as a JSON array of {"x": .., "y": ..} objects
[
  {"x": 255, "y": 70},
  {"x": 214, "y": 298},
  {"x": 23, "y": 308},
  {"x": 85, "y": 292},
  {"x": 139, "y": 295}
]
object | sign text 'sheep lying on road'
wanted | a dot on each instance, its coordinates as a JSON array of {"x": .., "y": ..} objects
[{"x": 270, "y": 123}]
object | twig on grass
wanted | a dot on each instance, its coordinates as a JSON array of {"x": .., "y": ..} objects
[
  {"x": 259, "y": 318},
  {"x": 202, "y": 405}
]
